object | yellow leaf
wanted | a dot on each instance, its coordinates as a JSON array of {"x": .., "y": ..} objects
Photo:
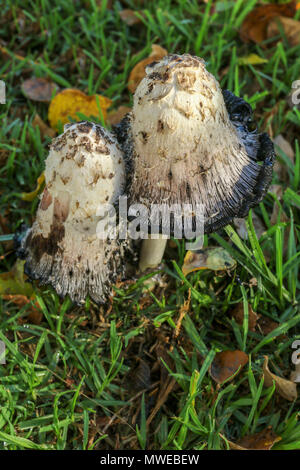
[
  {"x": 14, "y": 281},
  {"x": 214, "y": 258},
  {"x": 251, "y": 59},
  {"x": 69, "y": 102},
  {"x": 33, "y": 194}
]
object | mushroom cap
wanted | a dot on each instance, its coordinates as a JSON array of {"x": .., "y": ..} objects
[
  {"x": 84, "y": 170},
  {"x": 190, "y": 144}
]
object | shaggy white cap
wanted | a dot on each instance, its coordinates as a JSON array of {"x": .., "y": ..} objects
[
  {"x": 185, "y": 148},
  {"x": 84, "y": 170}
]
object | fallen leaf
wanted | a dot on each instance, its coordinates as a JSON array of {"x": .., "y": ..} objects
[
  {"x": 267, "y": 325},
  {"x": 240, "y": 224},
  {"x": 114, "y": 117},
  {"x": 238, "y": 314},
  {"x": 277, "y": 190},
  {"x": 34, "y": 315},
  {"x": 284, "y": 146},
  {"x": 214, "y": 258},
  {"x": 39, "y": 89},
  {"x": 45, "y": 130},
  {"x": 226, "y": 364},
  {"x": 14, "y": 281},
  {"x": 252, "y": 59},
  {"x": 129, "y": 17},
  {"x": 290, "y": 27},
  {"x": 263, "y": 440},
  {"x": 70, "y": 101},
  {"x": 254, "y": 27},
  {"x": 138, "y": 72},
  {"x": 31, "y": 196},
  {"x": 284, "y": 387},
  {"x": 139, "y": 377}
]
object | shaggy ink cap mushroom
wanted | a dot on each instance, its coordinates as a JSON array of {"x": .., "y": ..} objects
[
  {"x": 190, "y": 143},
  {"x": 84, "y": 170}
]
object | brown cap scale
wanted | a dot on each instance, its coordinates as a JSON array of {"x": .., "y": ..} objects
[
  {"x": 190, "y": 143},
  {"x": 84, "y": 170}
]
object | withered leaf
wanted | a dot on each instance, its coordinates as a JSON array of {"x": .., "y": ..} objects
[
  {"x": 284, "y": 387},
  {"x": 240, "y": 224},
  {"x": 129, "y": 17},
  {"x": 214, "y": 258},
  {"x": 34, "y": 314},
  {"x": 14, "y": 281},
  {"x": 138, "y": 72},
  {"x": 267, "y": 325},
  {"x": 226, "y": 364},
  {"x": 39, "y": 89},
  {"x": 290, "y": 27},
  {"x": 238, "y": 314},
  {"x": 254, "y": 27},
  {"x": 263, "y": 440},
  {"x": 45, "y": 130},
  {"x": 139, "y": 377}
]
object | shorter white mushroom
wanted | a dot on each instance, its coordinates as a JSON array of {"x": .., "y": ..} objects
[{"x": 84, "y": 171}]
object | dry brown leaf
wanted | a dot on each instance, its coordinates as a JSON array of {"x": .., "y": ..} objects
[
  {"x": 70, "y": 101},
  {"x": 114, "y": 117},
  {"x": 139, "y": 377},
  {"x": 138, "y": 72},
  {"x": 240, "y": 224},
  {"x": 226, "y": 364},
  {"x": 45, "y": 130},
  {"x": 238, "y": 314},
  {"x": 279, "y": 168},
  {"x": 290, "y": 27},
  {"x": 39, "y": 89},
  {"x": 267, "y": 325},
  {"x": 285, "y": 146},
  {"x": 263, "y": 440},
  {"x": 35, "y": 314},
  {"x": 284, "y": 387},
  {"x": 254, "y": 27},
  {"x": 277, "y": 190},
  {"x": 129, "y": 17}
]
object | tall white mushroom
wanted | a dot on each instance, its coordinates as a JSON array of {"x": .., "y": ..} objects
[
  {"x": 84, "y": 171},
  {"x": 190, "y": 144}
]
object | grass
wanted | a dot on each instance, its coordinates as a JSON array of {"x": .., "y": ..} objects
[{"x": 90, "y": 378}]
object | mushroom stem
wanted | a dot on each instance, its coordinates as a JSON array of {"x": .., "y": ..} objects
[{"x": 152, "y": 252}]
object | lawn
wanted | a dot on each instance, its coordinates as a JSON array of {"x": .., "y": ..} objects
[{"x": 143, "y": 371}]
